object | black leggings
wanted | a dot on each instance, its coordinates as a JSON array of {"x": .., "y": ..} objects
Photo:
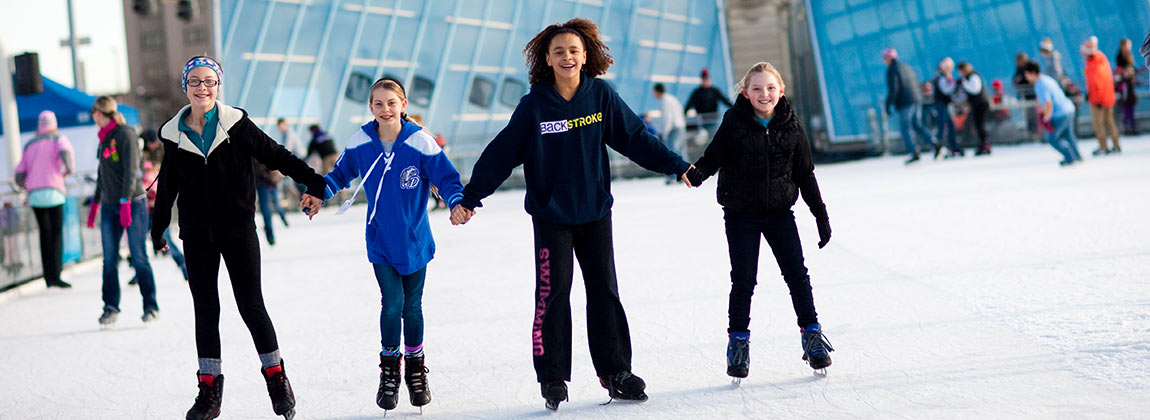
[
  {"x": 744, "y": 234},
  {"x": 607, "y": 331},
  {"x": 242, "y": 256},
  {"x": 51, "y": 221}
]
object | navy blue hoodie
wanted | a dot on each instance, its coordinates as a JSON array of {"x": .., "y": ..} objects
[{"x": 562, "y": 146}]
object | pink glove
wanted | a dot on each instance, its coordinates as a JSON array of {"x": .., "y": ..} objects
[
  {"x": 126, "y": 214},
  {"x": 92, "y": 214}
]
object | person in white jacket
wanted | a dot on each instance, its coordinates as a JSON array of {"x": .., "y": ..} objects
[{"x": 673, "y": 127}]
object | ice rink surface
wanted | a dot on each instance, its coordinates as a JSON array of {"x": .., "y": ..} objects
[{"x": 993, "y": 287}]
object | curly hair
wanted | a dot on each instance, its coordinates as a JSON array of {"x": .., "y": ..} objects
[{"x": 598, "y": 59}]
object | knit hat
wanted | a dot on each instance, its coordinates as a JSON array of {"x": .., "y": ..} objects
[
  {"x": 47, "y": 122},
  {"x": 201, "y": 62},
  {"x": 890, "y": 53},
  {"x": 704, "y": 74},
  {"x": 1046, "y": 45}
]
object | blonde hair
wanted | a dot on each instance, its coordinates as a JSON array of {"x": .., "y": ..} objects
[
  {"x": 107, "y": 106},
  {"x": 393, "y": 85},
  {"x": 760, "y": 67}
]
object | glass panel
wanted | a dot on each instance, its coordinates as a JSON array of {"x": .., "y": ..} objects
[
  {"x": 482, "y": 90},
  {"x": 421, "y": 90},
  {"x": 513, "y": 91}
]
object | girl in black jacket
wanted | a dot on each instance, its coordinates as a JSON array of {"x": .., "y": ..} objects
[
  {"x": 762, "y": 150},
  {"x": 209, "y": 149}
]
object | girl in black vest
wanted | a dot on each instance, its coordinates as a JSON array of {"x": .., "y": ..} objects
[
  {"x": 975, "y": 89},
  {"x": 765, "y": 159}
]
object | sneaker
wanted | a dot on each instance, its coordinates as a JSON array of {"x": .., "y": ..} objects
[
  {"x": 387, "y": 397},
  {"x": 279, "y": 389},
  {"x": 739, "y": 354},
  {"x": 415, "y": 374},
  {"x": 624, "y": 386},
  {"x": 816, "y": 348},
  {"x": 1100, "y": 152},
  {"x": 207, "y": 404},
  {"x": 150, "y": 315},
  {"x": 1116, "y": 150},
  {"x": 912, "y": 159},
  {"x": 554, "y": 392},
  {"x": 108, "y": 318}
]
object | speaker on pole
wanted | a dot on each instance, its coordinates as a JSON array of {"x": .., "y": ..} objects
[{"x": 28, "y": 81}]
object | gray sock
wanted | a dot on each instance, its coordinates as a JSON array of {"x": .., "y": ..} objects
[
  {"x": 210, "y": 366},
  {"x": 270, "y": 359}
]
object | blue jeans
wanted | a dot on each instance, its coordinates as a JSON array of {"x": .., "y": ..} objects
[
  {"x": 110, "y": 232},
  {"x": 402, "y": 298},
  {"x": 946, "y": 128},
  {"x": 1063, "y": 140},
  {"x": 908, "y": 118},
  {"x": 269, "y": 202}
]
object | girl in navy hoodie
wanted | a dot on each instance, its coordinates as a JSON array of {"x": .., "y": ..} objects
[
  {"x": 397, "y": 163},
  {"x": 559, "y": 133},
  {"x": 764, "y": 162}
]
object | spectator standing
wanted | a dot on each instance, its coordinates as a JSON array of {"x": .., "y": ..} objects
[
  {"x": 705, "y": 101},
  {"x": 1127, "y": 85},
  {"x": 1100, "y": 93},
  {"x": 674, "y": 126}
]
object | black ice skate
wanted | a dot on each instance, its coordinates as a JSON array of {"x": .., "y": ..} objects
[
  {"x": 416, "y": 378},
  {"x": 816, "y": 348},
  {"x": 207, "y": 404},
  {"x": 279, "y": 389},
  {"x": 108, "y": 318},
  {"x": 739, "y": 354},
  {"x": 554, "y": 392},
  {"x": 388, "y": 395},
  {"x": 624, "y": 386}
]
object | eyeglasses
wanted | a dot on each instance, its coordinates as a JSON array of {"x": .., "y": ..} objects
[{"x": 205, "y": 82}]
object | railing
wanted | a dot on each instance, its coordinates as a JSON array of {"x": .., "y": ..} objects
[{"x": 20, "y": 247}]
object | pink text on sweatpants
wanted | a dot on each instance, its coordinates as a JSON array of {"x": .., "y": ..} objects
[{"x": 541, "y": 304}]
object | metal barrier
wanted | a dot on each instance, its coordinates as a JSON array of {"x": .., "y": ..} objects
[{"x": 20, "y": 249}]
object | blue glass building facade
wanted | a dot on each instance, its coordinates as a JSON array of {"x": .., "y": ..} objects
[
  {"x": 312, "y": 62},
  {"x": 848, "y": 35}
]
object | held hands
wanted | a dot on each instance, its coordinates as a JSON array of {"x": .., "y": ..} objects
[
  {"x": 310, "y": 205},
  {"x": 824, "y": 225},
  {"x": 460, "y": 215},
  {"x": 693, "y": 177}
]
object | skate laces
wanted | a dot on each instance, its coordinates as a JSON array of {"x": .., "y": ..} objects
[
  {"x": 206, "y": 397},
  {"x": 417, "y": 381},
  {"x": 277, "y": 385},
  {"x": 816, "y": 344},
  {"x": 738, "y": 352}
]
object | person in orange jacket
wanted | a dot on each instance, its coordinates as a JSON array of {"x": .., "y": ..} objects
[{"x": 1100, "y": 92}]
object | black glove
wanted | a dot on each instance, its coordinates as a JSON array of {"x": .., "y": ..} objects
[
  {"x": 695, "y": 176},
  {"x": 824, "y": 224},
  {"x": 158, "y": 243}
]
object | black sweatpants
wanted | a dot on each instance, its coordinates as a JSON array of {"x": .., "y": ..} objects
[
  {"x": 743, "y": 233},
  {"x": 607, "y": 332},
  {"x": 242, "y": 256},
  {"x": 51, "y": 221},
  {"x": 979, "y": 111}
]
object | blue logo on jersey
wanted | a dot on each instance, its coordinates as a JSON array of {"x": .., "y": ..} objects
[{"x": 409, "y": 178}]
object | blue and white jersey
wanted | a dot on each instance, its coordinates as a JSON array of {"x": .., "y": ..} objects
[{"x": 396, "y": 186}]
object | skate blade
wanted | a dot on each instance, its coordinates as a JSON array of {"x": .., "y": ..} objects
[
  {"x": 289, "y": 415},
  {"x": 737, "y": 382},
  {"x": 551, "y": 406},
  {"x": 821, "y": 372}
]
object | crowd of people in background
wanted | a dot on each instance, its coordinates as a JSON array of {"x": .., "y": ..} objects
[{"x": 968, "y": 99}]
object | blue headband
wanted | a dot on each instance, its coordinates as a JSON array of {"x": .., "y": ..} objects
[{"x": 201, "y": 62}]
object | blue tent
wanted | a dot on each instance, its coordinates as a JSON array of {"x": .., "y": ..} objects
[{"x": 72, "y": 107}]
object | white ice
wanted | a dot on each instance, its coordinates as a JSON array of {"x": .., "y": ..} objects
[{"x": 1000, "y": 287}]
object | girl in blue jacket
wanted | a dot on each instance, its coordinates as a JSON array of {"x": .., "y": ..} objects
[{"x": 397, "y": 163}]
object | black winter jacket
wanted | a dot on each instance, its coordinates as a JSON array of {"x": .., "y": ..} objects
[
  {"x": 763, "y": 170},
  {"x": 217, "y": 192}
]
